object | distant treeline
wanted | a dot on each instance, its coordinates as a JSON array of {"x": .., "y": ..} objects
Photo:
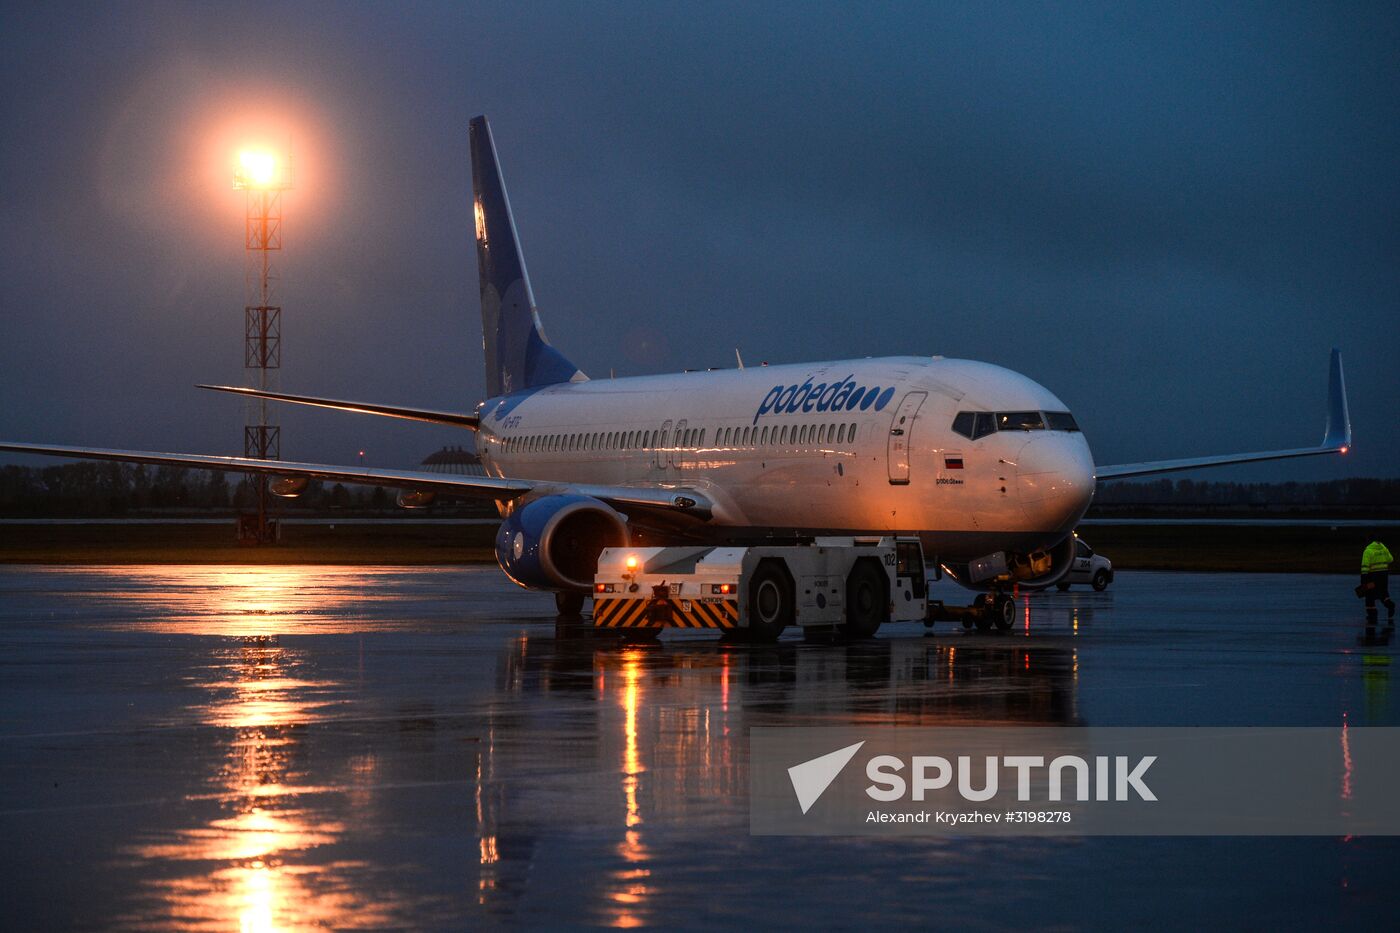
[
  {"x": 1343, "y": 496},
  {"x": 109, "y": 490}
]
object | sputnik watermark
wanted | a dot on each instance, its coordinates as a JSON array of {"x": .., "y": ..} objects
[
  {"x": 888, "y": 784},
  {"x": 1075, "y": 780}
]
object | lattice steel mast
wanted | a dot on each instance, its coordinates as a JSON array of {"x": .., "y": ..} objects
[{"x": 262, "y": 181}]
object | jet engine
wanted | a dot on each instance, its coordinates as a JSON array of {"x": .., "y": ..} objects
[
  {"x": 553, "y": 542},
  {"x": 1033, "y": 570}
]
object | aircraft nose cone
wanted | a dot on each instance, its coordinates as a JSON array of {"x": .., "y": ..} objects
[{"x": 1055, "y": 480}]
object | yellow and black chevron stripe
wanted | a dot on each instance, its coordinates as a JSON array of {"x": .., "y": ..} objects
[
  {"x": 632, "y": 613},
  {"x": 620, "y": 613}
]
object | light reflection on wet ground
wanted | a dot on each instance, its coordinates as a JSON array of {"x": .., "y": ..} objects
[{"x": 284, "y": 748}]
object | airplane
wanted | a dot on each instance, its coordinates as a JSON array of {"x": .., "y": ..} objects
[{"x": 988, "y": 468}]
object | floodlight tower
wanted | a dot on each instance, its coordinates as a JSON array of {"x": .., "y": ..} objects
[{"x": 262, "y": 180}]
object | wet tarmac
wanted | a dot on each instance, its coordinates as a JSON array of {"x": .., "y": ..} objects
[{"x": 276, "y": 748}]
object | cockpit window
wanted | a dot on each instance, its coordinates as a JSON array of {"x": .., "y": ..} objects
[
  {"x": 974, "y": 424},
  {"x": 1020, "y": 421}
]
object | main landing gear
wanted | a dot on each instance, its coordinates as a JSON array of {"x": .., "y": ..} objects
[{"x": 569, "y": 604}]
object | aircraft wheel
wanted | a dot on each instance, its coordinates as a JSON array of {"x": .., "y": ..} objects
[
  {"x": 1004, "y": 611},
  {"x": 1100, "y": 581},
  {"x": 771, "y": 602},
  {"x": 569, "y": 604},
  {"x": 867, "y": 606}
]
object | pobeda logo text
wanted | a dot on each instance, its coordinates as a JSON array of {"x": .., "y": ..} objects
[
  {"x": 844, "y": 395},
  {"x": 931, "y": 773}
]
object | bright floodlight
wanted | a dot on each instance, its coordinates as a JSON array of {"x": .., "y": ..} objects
[{"x": 256, "y": 169}]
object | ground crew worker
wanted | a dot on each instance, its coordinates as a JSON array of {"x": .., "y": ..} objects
[{"x": 1375, "y": 581}]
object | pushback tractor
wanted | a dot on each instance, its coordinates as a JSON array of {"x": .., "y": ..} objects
[{"x": 848, "y": 586}]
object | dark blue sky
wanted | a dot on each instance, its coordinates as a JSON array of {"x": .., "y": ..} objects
[{"x": 1167, "y": 215}]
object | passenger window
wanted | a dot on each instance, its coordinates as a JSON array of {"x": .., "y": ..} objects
[
  {"x": 1019, "y": 421},
  {"x": 1060, "y": 421}
]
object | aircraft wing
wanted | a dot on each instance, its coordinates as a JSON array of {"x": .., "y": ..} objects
[
  {"x": 1335, "y": 440},
  {"x": 456, "y": 419},
  {"x": 676, "y": 501}
]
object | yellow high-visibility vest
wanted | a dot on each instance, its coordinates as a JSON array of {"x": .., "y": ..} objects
[{"x": 1375, "y": 557}]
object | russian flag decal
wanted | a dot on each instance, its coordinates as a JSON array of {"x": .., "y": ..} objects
[{"x": 952, "y": 463}]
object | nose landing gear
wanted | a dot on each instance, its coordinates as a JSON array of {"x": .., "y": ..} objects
[
  {"x": 994, "y": 609},
  {"x": 989, "y": 610}
]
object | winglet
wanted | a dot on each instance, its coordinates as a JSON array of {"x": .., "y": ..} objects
[
  {"x": 1337, "y": 440},
  {"x": 1338, "y": 434}
]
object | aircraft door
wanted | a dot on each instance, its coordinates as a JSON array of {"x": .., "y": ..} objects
[
  {"x": 901, "y": 436},
  {"x": 661, "y": 450}
]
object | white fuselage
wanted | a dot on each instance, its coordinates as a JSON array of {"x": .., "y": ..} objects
[{"x": 856, "y": 446}]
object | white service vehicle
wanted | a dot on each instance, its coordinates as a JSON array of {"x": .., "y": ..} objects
[
  {"x": 850, "y": 585},
  {"x": 1087, "y": 567}
]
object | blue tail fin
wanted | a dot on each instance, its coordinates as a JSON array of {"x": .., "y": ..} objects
[{"x": 517, "y": 354}]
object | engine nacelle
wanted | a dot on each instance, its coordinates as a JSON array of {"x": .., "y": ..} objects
[
  {"x": 553, "y": 542},
  {"x": 288, "y": 487},
  {"x": 1029, "y": 571},
  {"x": 415, "y": 498}
]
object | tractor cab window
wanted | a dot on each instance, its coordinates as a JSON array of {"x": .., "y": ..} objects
[
  {"x": 1082, "y": 550},
  {"x": 909, "y": 562}
]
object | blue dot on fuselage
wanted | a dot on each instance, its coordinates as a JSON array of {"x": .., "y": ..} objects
[
  {"x": 869, "y": 397},
  {"x": 884, "y": 398},
  {"x": 854, "y": 400}
]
